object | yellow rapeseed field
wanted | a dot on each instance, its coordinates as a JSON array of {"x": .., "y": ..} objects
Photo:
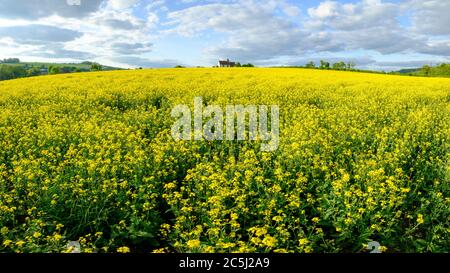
[{"x": 89, "y": 157}]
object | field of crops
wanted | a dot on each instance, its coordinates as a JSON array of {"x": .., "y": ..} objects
[{"x": 89, "y": 157}]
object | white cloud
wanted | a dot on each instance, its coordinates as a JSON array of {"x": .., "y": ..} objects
[
  {"x": 430, "y": 17},
  {"x": 290, "y": 10},
  {"x": 362, "y": 15},
  {"x": 122, "y": 4},
  {"x": 254, "y": 30},
  {"x": 227, "y": 17},
  {"x": 12, "y": 48},
  {"x": 33, "y": 9},
  {"x": 259, "y": 33},
  {"x": 41, "y": 41},
  {"x": 325, "y": 10},
  {"x": 124, "y": 48},
  {"x": 105, "y": 33},
  {"x": 30, "y": 34}
]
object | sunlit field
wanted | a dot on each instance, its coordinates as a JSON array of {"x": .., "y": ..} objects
[{"x": 89, "y": 157}]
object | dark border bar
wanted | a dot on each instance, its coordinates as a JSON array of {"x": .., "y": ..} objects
[{"x": 223, "y": 262}]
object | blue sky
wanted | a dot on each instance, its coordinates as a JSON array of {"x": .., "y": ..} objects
[{"x": 375, "y": 34}]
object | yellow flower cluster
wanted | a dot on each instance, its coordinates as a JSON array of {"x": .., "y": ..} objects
[{"x": 89, "y": 157}]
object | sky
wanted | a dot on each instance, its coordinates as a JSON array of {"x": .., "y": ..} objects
[{"x": 374, "y": 34}]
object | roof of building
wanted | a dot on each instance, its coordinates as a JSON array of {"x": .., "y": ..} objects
[{"x": 226, "y": 62}]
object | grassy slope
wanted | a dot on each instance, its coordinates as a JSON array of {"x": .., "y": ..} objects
[{"x": 436, "y": 71}]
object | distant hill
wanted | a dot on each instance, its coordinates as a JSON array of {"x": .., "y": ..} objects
[
  {"x": 442, "y": 70},
  {"x": 13, "y": 68},
  {"x": 408, "y": 71},
  {"x": 84, "y": 66}
]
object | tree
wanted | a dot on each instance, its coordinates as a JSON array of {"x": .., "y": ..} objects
[
  {"x": 10, "y": 61},
  {"x": 96, "y": 67},
  {"x": 66, "y": 69},
  {"x": 351, "y": 65},
  {"x": 238, "y": 64},
  {"x": 339, "y": 66},
  {"x": 248, "y": 65},
  {"x": 310, "y": 65},
  {"x": 426, "y": 70},
  {"x": 8, "y": 72},
  {"x": 33, "y": 71},
  {"x": 54, "y": 70},
  {"x": 324, "y": 64}
]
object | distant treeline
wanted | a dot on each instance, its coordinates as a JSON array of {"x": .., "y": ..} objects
[
  {"x": 12, "y": 68},
  {"x": 238, "y": 64},
  {"x": 335, "y": 66},
  {"x": 441, "y": 70},
  {"x": 328, "y": 66},
  {"x": 10, "y": 61}
]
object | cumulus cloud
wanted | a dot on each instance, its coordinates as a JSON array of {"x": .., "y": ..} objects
[
  {"x": 430, "y": 17},
  {"x": 95, "y": 29},
  {"x": 380, "y": 39},
  {"x": 39, "y": 34},
  {"x": 255, "y": 32},
  {"x": 34, "y": 9},
  {"x": 41, "y": 41},
  {"x": 362, "y": 15},
  {"x": 438, "y": 48},
  {"x": 258, "y": 32},
  {"x": 57, "y": 51},
  {"x": 118, "y": 24},
  {"x": 366, "y": 25},
  {"x": 234, "y": 17},
  {"x": 122, "y": 4},
  {"x": 131, "y": 48},
  {"x": 105, "y": 33}
]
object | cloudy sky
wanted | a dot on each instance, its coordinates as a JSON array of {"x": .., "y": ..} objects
[{"x": 375, "y": 34}]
